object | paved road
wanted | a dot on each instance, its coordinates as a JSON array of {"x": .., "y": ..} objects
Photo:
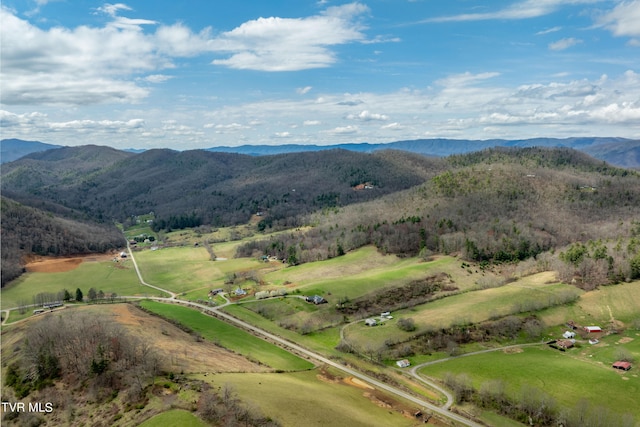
[
  {"x": 458, "y": 419},
  {"x": 313, "y": 355}
]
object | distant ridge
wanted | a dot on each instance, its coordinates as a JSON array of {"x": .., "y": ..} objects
[
  {"x": 13, "y": 149},
  {"x": 616, "y": 151}
]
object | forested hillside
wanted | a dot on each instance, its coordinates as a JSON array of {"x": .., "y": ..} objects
[
  {"x": 498, "y": 205},
  {"x": 27, "y": 231},
  {"x": 209, "y": 188}
]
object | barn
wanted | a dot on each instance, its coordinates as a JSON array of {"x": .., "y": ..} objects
[{"x": 592, "y": 329}]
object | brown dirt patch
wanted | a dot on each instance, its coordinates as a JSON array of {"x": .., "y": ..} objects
[
  {"x": 179, "y": 350},
  {"x": 624, "y": 340},
  {"x": 512, "y": 350},
  {"x": 358, "y": 383},
  {"x": 61, "y": 264}
]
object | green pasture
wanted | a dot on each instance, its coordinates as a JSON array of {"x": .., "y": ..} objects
[
  {"x": 301, "y": 398},
  {"x": 184, "y": 269},
  {"x": 322, "y": 341},
  {"x": 598, "y": 307},
  {"x": 568, "y": 376},
  {"x": 362, "y": 271},
  {"x": 230, "y": 337},
  {"x": 101, "y": 275},
  {"x": 473, "y": 306},
  {"x": 477, "y": 306},
  {"x": 174, "y": 417}
]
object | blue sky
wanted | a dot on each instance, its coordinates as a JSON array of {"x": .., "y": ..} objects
[{"x": 200, "y": 73}]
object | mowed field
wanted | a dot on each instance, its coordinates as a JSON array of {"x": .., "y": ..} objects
[
  {"x": 320, "y": 397},
  {"x": 230, "y": 337},
  {"x": 53, "y": 275}
]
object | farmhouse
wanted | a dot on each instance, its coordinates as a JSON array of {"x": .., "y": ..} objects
[
  {"x": 316, "y": 299},
  {"x": 625, "y": 366},
  {"x": 240, "y": 292},
  {"x": 592, "y": 329},
  {"x": 370, "y": 322},
  {"x": 404, "y": 363},
  {"x": 569, "y": 334},
  {"x": 565, "y": 344}
]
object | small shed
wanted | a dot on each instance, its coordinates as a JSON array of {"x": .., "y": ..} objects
[
  {"x": 404, "y": 363},
  {"x": 592, "y": 329},
  {"x": 622, "y": 365},
  {"x": 371, "y": 322}
]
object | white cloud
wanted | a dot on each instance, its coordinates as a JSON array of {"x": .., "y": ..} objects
[
  {"x": 93, "y": 65},
  {"x": 303, "y": 90},
  {"x": 112, "y": 9},
  {"x": 288, "y": 44},
  {"x": 366, "y": 116},
  {"x": 548, "y": 31},
  {"x": 282, "y": 135},
  {"x": 157, "y": 78},
  {"x": 563, "y": 44},
  {"x": 465, "y": 79},
  {"x": 624, "y": 19},
  {"x": 520, "y": 10},
  {"x": 392, "y": 126},
  {"x": 343, "y": 130},
  {"x": 311, "y": 122}
]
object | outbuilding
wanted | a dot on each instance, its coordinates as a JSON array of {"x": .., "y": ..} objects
[
  {"x": 371, "y": 322},
  {"x": 622, "y": 365},
  {"x": 592, "y": 329}
]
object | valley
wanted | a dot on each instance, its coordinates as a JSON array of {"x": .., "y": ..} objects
[{"x": 420, "y": 303}]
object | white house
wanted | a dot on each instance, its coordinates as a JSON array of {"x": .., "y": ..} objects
[
  {"x": 569, "y": 334},
  {"x": 370, "y": 322},
  {"x": 404, "y": 363}
]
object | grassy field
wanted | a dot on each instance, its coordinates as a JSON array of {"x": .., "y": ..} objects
[
  {"x": 102, "y": 275},
  {"x": 365, "y": 270},
  {"x": 187, "y": 269},
  {"x": 174, "y": 417},
  {"x": 312, "y": 399},
  {"x": 568, "y": 377},
  {"x": 230, "y": 337}
]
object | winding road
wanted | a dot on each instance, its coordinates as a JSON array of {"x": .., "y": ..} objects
[{"x": 288, "y": 345}]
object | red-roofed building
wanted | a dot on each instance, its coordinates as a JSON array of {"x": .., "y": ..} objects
[
  {"x": 625, "y": 366},
  {"x": 592, "y": 329}
]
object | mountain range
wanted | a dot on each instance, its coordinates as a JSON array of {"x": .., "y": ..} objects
[
  {"x": 503, "y": 203},
  {"x": 616, "y": 151}
]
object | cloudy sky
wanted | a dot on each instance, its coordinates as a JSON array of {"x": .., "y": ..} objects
[{"x": 201, "y": 73}]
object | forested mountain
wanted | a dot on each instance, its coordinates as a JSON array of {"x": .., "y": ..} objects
[
  {"x": 495, "y": 205},
  {"x": 27, "y": 231},
  {"x": 13, "y": 149},
  {"x": 498, "y": 205},
  {"x": 215, "y": 188}
]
